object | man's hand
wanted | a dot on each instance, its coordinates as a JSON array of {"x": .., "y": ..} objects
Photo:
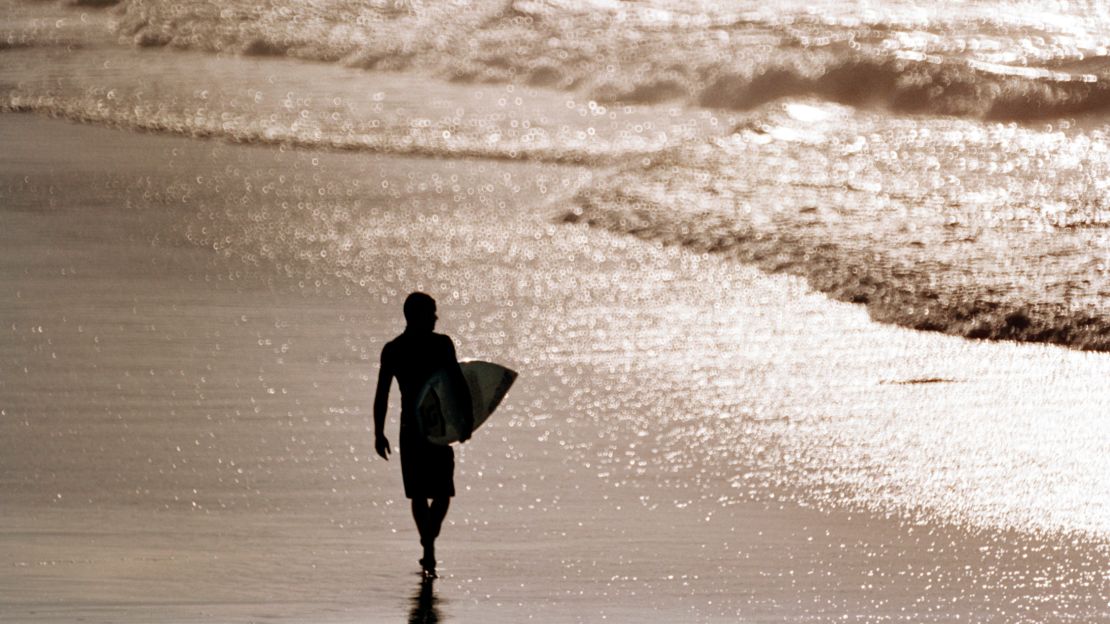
[{"x": 381, "y": 445}]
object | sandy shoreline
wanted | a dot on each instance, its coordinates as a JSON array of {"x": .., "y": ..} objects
[{"x": 189, "y": 440}]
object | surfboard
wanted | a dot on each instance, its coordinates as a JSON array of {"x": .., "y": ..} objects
[{"x": 439, "y": 407}]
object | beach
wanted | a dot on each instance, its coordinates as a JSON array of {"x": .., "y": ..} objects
[
  {"x": 187, "y": 436},
  {"x": 804, "y": 358}
]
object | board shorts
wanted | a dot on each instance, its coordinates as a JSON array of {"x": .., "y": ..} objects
[{"x": 428, "y": 470}]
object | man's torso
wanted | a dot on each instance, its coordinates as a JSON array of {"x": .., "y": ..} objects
[{"x": 413, "y": 358}]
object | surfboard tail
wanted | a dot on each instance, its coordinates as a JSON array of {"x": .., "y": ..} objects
[{"x": 442, "y": 414}]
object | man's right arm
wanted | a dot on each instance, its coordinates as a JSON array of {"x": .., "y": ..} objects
[{"x": 381, "y": 405}]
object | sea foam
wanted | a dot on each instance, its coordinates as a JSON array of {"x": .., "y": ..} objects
[
  {"x": 991, "y": 231},
  {"x": 962, "y": 64}
]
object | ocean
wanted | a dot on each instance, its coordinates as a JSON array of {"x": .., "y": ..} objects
[
  {"x": 809, "y": 300},
  {"x": 943, "y": 166}
]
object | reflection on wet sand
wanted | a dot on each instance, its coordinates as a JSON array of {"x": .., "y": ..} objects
[{"x": 425, "y": 607}]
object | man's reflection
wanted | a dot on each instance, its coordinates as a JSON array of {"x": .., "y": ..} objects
[{"x": 424, "y": 609}]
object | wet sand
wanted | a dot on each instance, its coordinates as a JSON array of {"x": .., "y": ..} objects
[{"x": 185, "y": 424}]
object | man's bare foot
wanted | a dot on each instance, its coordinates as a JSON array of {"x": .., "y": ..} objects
[{"x": 428, "y": 568}]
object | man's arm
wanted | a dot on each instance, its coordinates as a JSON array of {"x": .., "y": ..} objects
[
  {"x": 459, "y": 381},
  {"x": 381, "y": 404}
]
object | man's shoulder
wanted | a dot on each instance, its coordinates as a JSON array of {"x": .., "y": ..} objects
[
  {"x": 404, "y": 342},
  {"x": 391, "y": 347},
  {"x": 444, "y": 341}
]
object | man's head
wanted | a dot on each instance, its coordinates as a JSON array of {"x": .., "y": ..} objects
[{"x": 420, "y": 312}]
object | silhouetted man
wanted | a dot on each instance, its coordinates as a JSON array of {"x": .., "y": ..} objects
[{"x": 427, "y": 469}]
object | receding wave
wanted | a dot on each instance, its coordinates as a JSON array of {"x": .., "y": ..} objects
[
  {"x": 427, "y": 140},
  {"x": 907, "y": 293},
  {"x": 965, "y": 252},
  {"x": 632, "y": 54}
]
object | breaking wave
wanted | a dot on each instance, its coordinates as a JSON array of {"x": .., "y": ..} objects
[
  {"x": 639, "y": 53},
  {"x": 954, "y": 88}
]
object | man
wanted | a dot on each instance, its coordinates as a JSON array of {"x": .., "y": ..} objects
[{"x": 427, "y": 469}]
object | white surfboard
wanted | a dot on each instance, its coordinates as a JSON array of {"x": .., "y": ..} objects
[{"x": 439, "y": 408}]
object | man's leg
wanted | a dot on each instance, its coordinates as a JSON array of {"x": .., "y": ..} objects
[
  {"x": 436, "y": 513},
  {"x": 422, "y": 517},
  {"x": 429, "y": 521}
]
